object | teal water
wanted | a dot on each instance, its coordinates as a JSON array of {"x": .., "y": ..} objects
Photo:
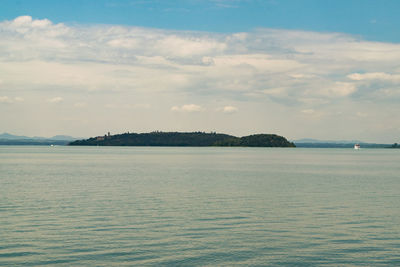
[{"x": 163, "y": 206}]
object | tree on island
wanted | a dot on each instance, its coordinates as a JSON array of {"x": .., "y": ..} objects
[{"x": 185, "y": 139}]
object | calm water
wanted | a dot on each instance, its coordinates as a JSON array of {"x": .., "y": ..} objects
[{"x": 116, "y": 206}]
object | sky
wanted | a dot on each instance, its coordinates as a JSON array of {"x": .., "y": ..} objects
[{"x": 327, "y": 70}]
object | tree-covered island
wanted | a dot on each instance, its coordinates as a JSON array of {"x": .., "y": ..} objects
[{"x": 185, "y": 139}]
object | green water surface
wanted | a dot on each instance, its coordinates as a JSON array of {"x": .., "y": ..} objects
[{"x": 164, "y": 206}]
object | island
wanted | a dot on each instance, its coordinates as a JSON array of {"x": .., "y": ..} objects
[{"x": 200, "y": 139}]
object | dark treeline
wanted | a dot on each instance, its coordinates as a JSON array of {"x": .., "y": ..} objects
[{"x": 185, "y": 139}]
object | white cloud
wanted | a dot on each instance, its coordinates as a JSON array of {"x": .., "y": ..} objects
[
  {"x": 228, "y": 109},
  {"x": 182, "y": 46},
  {"x": 9, "y": 100},
  {"x": 55, "y": 100},
  {"x": 275, "y": 91},
  {"x": 123, "y": 43},
  {"x": 308, "y": 111},
  {"x": 279, "y": 64},
  {"x": 27, "y": 21},
  {"x": 301, "y": 76},
  {"x": 312, "y": 114},
  {"x": 5, "y": 99},
  {"x": 361, "y": 114},
  {"x": 41, "y": 23},
  {"x": 374, "y": 76},
  {"x": 187, "y": 108},
  {"x": 342, "y": 89}
]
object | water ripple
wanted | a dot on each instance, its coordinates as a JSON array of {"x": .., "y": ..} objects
[{"x": 198, "y": 207}]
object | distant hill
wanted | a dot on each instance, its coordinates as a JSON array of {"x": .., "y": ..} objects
[
  {"x": 19, "y": 137},
  {"x": 8, "y": 136},
  {"x": 32, "y": 142},
  {"x": 10, "y": 139},
  {"x": 185, "y": 139},
  {"x": 313, "y": 143},
  {"x": 64, "y": 137}
]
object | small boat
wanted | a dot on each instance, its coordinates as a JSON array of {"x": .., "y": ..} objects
[{"x": 357, "y": 146}]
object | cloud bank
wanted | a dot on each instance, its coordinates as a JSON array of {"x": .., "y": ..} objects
[{"x": 265, "y": 71}]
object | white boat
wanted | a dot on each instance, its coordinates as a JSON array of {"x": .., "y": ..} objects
[{"x": 357, "y": 146}]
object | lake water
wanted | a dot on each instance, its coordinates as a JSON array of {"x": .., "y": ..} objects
[{"x": 163, "y": 206}]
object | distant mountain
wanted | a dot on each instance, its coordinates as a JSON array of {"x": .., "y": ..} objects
[
  {"x": 185, "y": 139},
  {"x": 10, "y": 139},
  {"x": 309, "y": 140},
  {"x": 32, "y": 142},
  {"x": 314, "y": 143},
  {"x": 19, "y": 137},
  {"x": 63, "y": 137}
]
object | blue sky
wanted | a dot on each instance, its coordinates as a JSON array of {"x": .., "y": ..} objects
[
  {"x": 370, "y": 19},
  {"x": 303, "y": 69}
]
